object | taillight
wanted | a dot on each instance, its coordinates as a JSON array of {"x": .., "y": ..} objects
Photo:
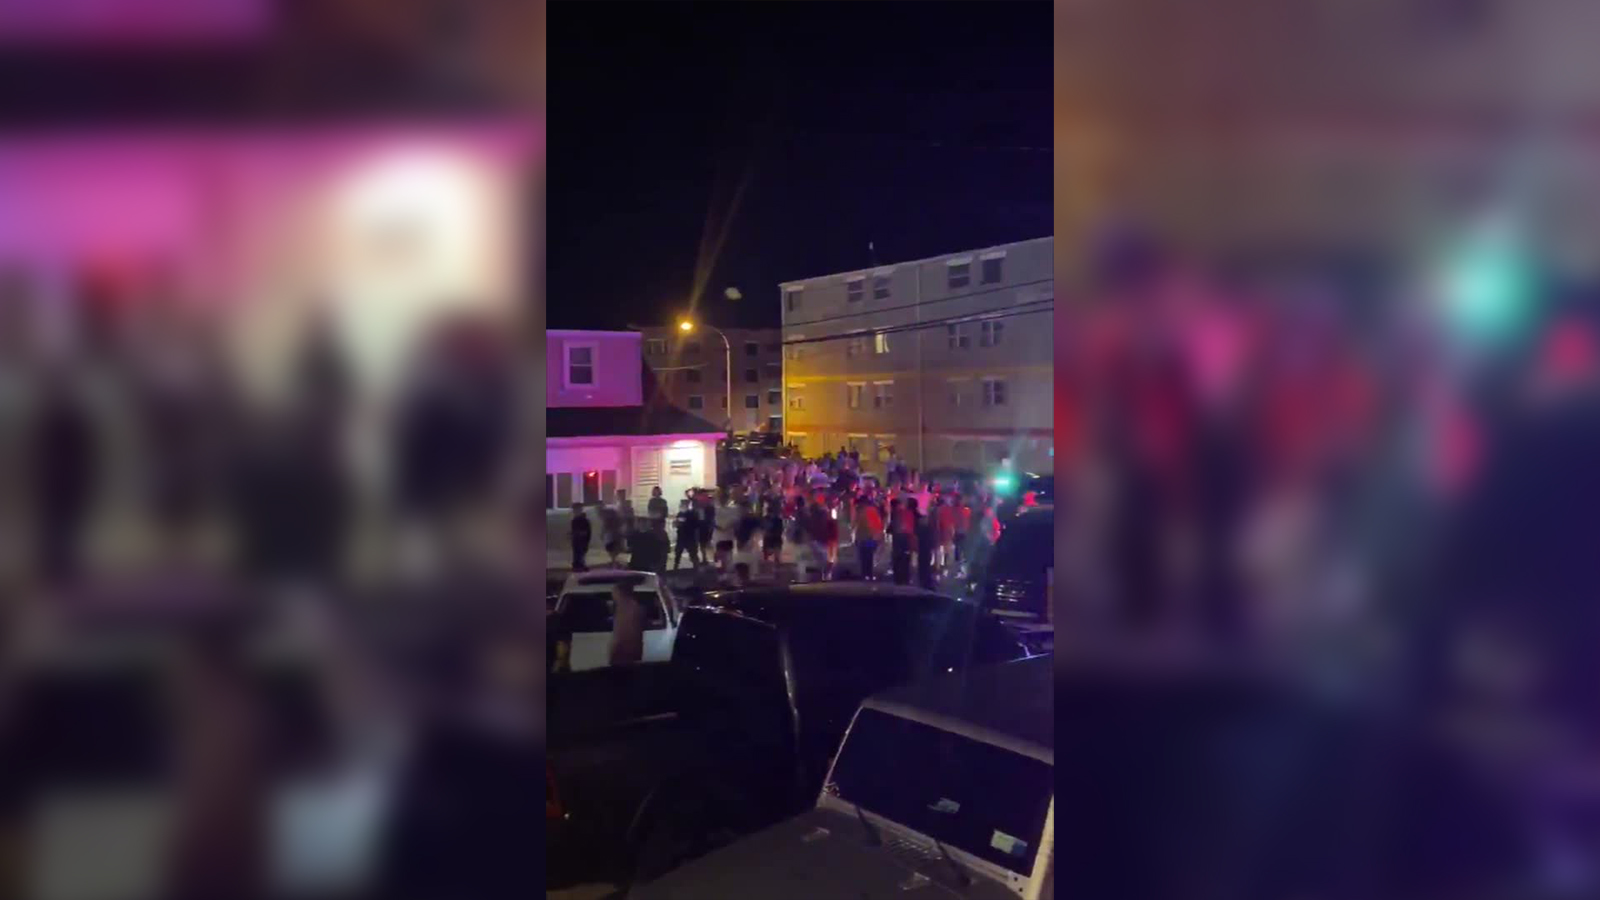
[
  {"x": 552, "y": 802},
  {"x": 1030, "y": 498}
]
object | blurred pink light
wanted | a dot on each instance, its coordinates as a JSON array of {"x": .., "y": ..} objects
[{"x": 133, "y": 21}]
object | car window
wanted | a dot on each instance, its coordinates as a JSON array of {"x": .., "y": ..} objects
[
  {"x": 988, "y": 801},
  {"x": 866, "y": 649},
  {"x": 730, "y": 671},
  {"x": 594, "y": 612}
]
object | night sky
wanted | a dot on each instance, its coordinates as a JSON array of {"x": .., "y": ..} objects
[{"x": 800, "y": 130}]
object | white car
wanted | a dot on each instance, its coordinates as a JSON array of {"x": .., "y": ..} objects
[{"x": 586, "y": 607}]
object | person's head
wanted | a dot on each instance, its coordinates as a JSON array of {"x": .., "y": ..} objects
[
  {"x": 655, "y": 492},
  {"x": 894, "y": 504},
  {"x": 684, "y": 503}
]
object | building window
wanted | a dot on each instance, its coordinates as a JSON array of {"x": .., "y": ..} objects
[
  {"x": 563, "y": 490},
  {"x": 774, "y": 396},
  {"x": 691, "y": 347},
  {"x": 796, "y": 401},
  {"x": 656, "y": 347},
  {"x": 882, "y": 394},
  {"x": 992, "y": 269},
  {"x": 880, "y": 343},
  {"x": 956, "y": 336},
  {"x": 752, "y": 401},
  {"x": 580, "y": 359},
  {"x": 775, "y": 424},
  {"x": 855, "y": 289},
  {"x": 791, "y": 299},
  {"x": 752, "y": 348},
  {"x": 856, "y": 345},
  {"x": 697, "y": 401},
  {"x": 853, "y": 393},
  {"x": 693, "y": 375},
  {"x": 880, "y": 287},
  {"x": 959, "y": 274},
  {"x": 990, "y": 331},
  {"x": 994, "y": 392},
  {"x": 774, "y": 370},
  {"x": 751, "y": 376}
]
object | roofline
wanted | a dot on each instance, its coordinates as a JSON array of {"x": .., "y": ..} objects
[
  {"x": 587, "y": 332},
  {"x": 914, "y": 262}
]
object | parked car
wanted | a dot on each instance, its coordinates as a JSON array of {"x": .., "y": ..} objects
[
  {"x": 583, "y": 616},
  {"x": 655, "y": 764},
  {"x": 1017, "y": 583},
  {"x": 946, "y": 782}
]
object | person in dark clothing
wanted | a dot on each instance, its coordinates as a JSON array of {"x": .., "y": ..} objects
[
  {"x": 927, "y": 538},
  {"x": 650, "y": 548},
  {"x": 708, "y": 525},
  {"x": 657, "y": 507},
  {"x": 772, "y": 535},
  {"x": 749, "y": 526},
  {"x": 582, "y": 532},
  {"x": 64, "y": 457},
  {"x": 687, "y": 533},
  {"x": 900, "y": 542},
  {"x": 290, "y": 502}
]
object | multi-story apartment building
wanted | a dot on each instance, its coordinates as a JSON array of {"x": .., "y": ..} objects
[
  {"x": 606, "y": 433},
  {"x": 1327, "y": 131},
  {"x": 946, "y": 361},
  {"x": 690, "y": 372}
]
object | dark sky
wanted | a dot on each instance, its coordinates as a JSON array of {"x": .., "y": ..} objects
[{"x": 801, "y": 130}]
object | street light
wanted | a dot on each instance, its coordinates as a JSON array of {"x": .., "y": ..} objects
[{"x": 687, "y": 325}]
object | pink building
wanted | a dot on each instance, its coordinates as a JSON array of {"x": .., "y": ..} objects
[{"x": 608, "y": 428}]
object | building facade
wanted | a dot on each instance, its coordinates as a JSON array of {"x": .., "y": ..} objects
[
  {"x": 1366, "y": 130},
  {"x": 608, "y": 430},
  {"x": 946, "y": 361},
  {"x": 689, "y": 369}
]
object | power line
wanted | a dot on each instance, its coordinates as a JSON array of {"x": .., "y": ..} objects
[
  {"x": 873, "y": 312},
  {"x": 1022, "y": 309}
]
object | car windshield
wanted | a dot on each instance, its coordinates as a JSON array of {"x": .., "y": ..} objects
[
  {"x": 732, "y": 676},
  {"x": 591, "y": 611},
  {"x": 985, "y": 800}
]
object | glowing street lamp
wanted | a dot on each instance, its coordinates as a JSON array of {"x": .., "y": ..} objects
[{"x": 687, "y": 325}]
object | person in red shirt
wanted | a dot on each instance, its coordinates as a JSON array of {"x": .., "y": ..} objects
[
  {"x": 945, "y": 518},
  {"x": 869, "y": 534},
  {"x": 963, "y": 527}
]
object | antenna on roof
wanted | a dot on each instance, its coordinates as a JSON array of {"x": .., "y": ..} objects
[{"x": 872, "y": 254}]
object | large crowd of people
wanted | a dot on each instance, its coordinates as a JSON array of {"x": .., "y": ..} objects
[
  {"x": 788, "y": 518},
  {"x": 128, "y": 431}
]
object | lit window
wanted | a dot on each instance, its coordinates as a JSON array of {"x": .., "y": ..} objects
[
  {"x": 791, "y": 299},
  {"x": 856, "y": 345},
  {"x": 880, "y": 343},
  {"x": 656, "y": 347}
]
